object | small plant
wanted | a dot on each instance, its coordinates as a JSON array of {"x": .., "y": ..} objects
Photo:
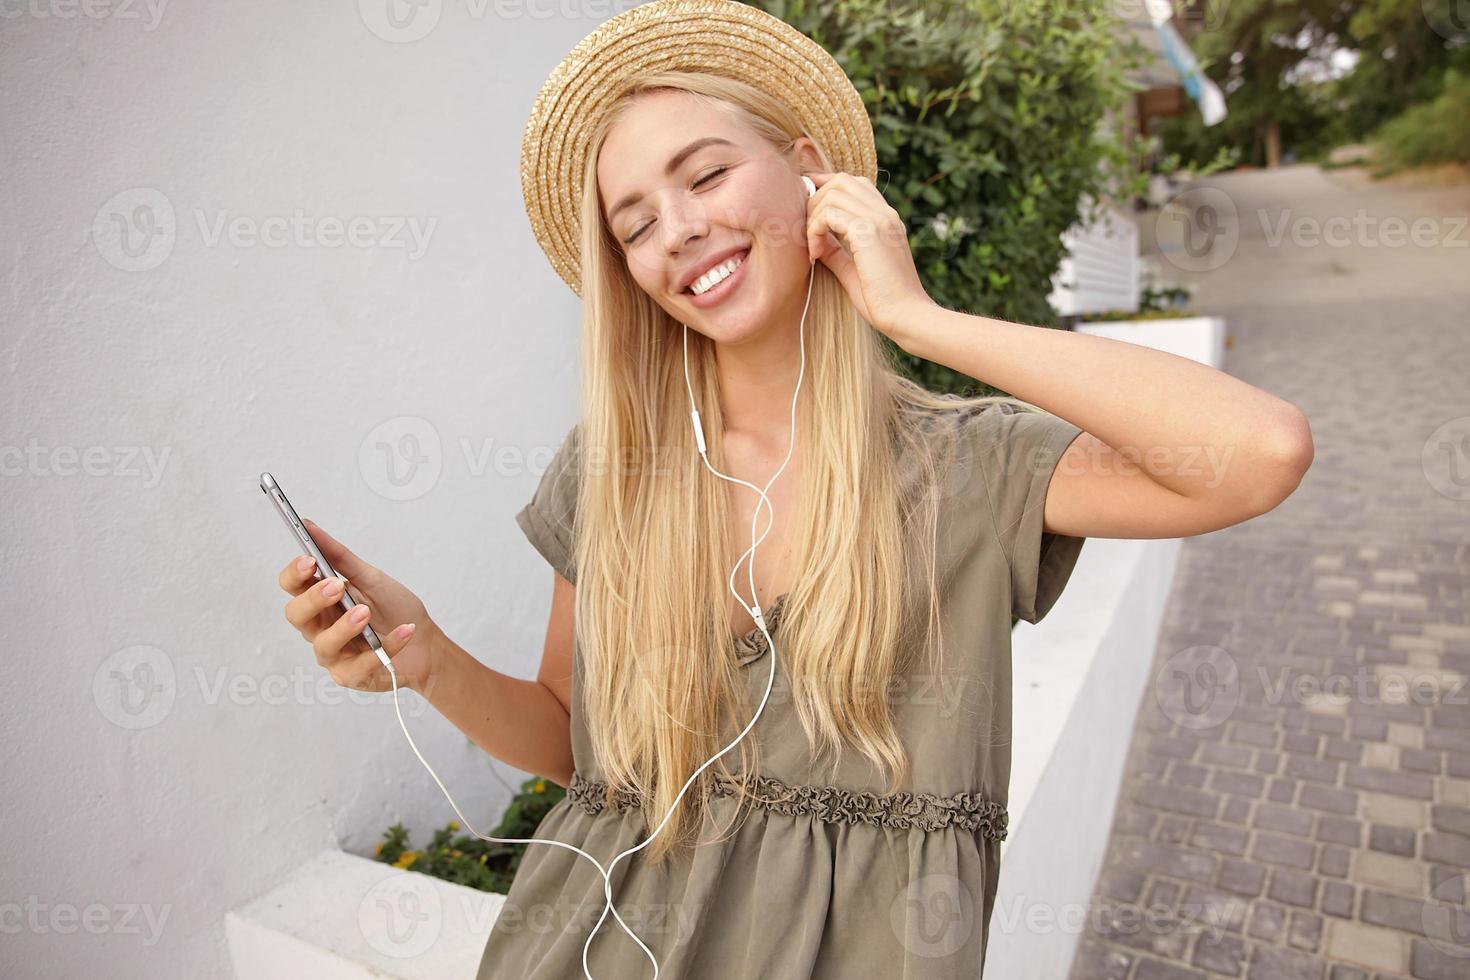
[
  {"x": 1154, "y": 303},
  {"x": 468, "y": 860}
]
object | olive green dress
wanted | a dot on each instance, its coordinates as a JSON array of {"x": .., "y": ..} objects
[{"x": 823, "y": 878}]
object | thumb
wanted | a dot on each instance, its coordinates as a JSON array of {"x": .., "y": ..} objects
[{"x": 337, "y": 554}]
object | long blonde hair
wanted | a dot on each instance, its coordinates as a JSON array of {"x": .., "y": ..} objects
[{"x": 652, "y": 536}]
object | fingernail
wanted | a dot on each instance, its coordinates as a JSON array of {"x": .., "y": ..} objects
[
  {"x": 305, "y": 563},
  {"x": 405, "y": 631},
  {"x": 333, "y": 588},
  {"x": 359, "y": 613}
]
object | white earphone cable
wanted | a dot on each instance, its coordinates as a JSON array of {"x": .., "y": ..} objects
[{"x": 754, "y": 610}]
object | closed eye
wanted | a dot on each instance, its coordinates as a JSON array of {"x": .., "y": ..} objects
[{"x": 707, "y": 177}]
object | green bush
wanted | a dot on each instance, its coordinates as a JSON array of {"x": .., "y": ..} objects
[
  {"x": 1429, "y": 133},
  {"x": 468, "y": 860},
  {"x": 990, "y": 118}
]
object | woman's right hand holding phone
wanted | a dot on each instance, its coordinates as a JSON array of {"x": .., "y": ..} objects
[{"x": 409, "y": 636}]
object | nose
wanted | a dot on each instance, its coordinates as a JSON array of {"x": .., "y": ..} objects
[{"x": 683, "y": 221}]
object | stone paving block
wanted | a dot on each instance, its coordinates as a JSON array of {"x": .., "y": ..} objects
[
  {"x": 1280, "y": 849},
  {"x": 1447, "y": 631},
  {"x": 1267, "y": 920},
  {"x": 1275, "y": 963},
  {"x": 1304, "y": 931},
  {"x": 1292, "y": 887},
  {"x": 1155, "y": 970},
  {"x": 1241, "y": 877},
  {"x": 1339, "y": 830},
  {"x": 1421, "y": 761},
  {"x": 1384, "y": 808},
  {"x": 1367, "y": 945},
  {"x": 1096, "y": 960},
  {"x": 1334, "y": 861},
  {"x": 1412, "y": 784},
  {"x": 1339, "y": 898},
  {"x": 1238, "y": 783},
  {"x": 1430, "y": 961},
  {"x": 1282, "y": 791},
  {"x": 1408, "y": 736},
  {"x": 1341, "y": 801},
  {"x": 1217, "y": 837},
  {"x": 1380, "y": 755},
  {"x": 1395, "y": 911},
  {"x": 1454, "y": 819},
  {"x": 1387, "y": 871},
  {"x": 1447, "y": 849},
  {"x": 1284, "y": 819},
  {"x": 1221, "y": 953},
  {"x": 1391, "y": 840}
]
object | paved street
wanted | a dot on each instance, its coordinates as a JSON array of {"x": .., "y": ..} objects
[{"x": 1298, "y": 782}]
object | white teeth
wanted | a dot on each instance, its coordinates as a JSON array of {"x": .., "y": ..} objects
[{"x": 716, "y": 275}]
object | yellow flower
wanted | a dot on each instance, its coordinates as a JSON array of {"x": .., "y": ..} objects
[
  {"x": 483, "y": 857},
  {"x": 379, "y": 849},
  {"x": 406, "y": 859},
  {"x": 455, "y": 853},
  {"x": 540, "y": 786},
  {"x": 454, "y": 825}
]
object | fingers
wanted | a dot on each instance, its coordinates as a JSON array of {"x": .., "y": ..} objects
[
  {"x": 309, "y": 604},
  {"x": 365, "y": 672},
  {"x": 328, "y": 644},
  {"x": 297, "y": 576}
]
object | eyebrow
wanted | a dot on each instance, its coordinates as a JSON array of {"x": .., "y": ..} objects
[{"x": 674, "y": 163}]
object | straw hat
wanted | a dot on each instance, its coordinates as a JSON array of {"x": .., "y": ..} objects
[{"x": 724, "y": 37}]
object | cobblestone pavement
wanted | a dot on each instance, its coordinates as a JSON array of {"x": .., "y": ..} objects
[{"x": 1297, "y": 796}]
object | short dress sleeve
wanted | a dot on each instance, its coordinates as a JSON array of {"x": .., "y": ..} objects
[
  {"x": 547, "y": 519},
  {"x": 1016, "y": 452}
]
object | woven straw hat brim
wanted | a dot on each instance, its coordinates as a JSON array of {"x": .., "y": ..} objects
[{"x": 723, "y": 37}]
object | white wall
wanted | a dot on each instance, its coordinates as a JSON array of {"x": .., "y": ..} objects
[{"x": 149, "y": 379}]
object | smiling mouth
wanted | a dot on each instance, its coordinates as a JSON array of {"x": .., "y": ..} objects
[{"x": 742, "y": 256}]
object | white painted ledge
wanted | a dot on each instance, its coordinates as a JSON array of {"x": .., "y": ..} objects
[
  {"x": 1078, "y": 677},
  {"x": 344, "y": 917}
]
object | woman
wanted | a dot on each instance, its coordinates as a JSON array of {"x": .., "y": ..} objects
[{"x": 855, "y": 831}]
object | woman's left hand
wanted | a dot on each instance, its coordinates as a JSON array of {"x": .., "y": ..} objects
[{"x": 873, "y": 260}]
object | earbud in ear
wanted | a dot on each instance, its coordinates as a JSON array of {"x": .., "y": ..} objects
[{"x": 811, "y": 188}]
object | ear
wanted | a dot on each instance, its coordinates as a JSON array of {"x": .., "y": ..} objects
[{"x": 804, "y": 154}]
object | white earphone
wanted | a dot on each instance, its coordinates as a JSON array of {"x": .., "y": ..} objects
[{"x": 754, "y": 609}]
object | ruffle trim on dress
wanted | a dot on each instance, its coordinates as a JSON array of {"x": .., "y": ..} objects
[
  {"x": 923, "y": 811},
  {"x": 752, "y": 646}
]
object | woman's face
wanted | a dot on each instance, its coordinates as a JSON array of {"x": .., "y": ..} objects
[{"x": 683, "y": 212}]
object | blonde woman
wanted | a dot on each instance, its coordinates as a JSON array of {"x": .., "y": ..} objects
[{"x": 854, "y": 833}]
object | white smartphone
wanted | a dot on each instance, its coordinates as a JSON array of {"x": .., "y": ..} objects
[{"x": 272, "y": 489}]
